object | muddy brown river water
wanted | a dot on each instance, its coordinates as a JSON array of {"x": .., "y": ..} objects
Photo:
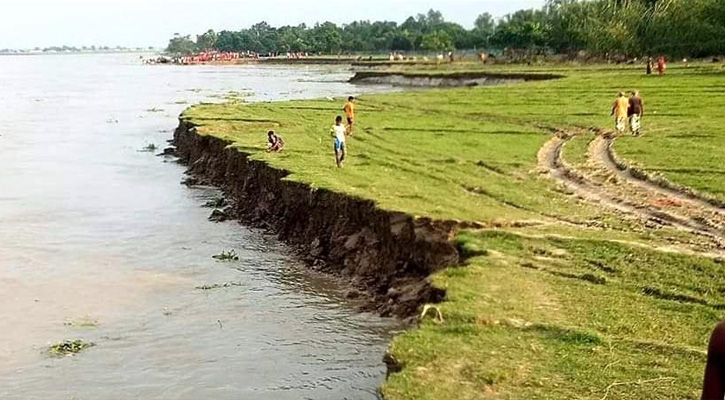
[{"x": 100, "y": 242}]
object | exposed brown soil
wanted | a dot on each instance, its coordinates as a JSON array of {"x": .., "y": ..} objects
[
  {"x": 605, "y": 183},
  {"x": 602, "y": 150},
  {"x": 683, "y": 203},
  {"x": 384, "y": 254},
  {"x": 446, "y": 79}
]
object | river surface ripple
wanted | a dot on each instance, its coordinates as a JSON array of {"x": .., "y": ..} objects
[{"x": 100, "y": 242}]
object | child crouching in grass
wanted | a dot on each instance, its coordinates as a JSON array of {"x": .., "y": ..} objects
[
  {"x": 338, "y": 132},
  {"x": 275, "y": 143}
]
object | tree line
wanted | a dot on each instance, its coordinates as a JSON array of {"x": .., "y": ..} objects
[{"x": 628, "y": 28}]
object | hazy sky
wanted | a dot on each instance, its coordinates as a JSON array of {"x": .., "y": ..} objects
[{"x": 141, "y": 23}]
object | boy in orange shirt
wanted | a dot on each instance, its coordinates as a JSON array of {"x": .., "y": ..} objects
[
  {"x": 620, "y": 110},
  {"x": 350, "y": 113}
]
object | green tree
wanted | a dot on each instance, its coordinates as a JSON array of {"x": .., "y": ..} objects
[
  {"x": 524, "y": 29},
  {"x": 326, "y": 38},
  {"x": 182, "y": 45},
  {"x": 206, "y": 41},
  {"x": 484, "y": 28},
  {"x": 612, "y": 28},
  {"x": 437, "y": 41}
]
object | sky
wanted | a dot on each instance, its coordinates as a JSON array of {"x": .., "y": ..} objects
[{"x": 141, "y": 23}]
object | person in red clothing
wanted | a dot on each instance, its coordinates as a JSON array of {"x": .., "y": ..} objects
[{"x": 661, "y": 65}]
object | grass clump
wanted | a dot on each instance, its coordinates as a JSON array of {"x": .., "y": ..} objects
[
  {"x": 149, "y": 148},
  {"x": 68, "y": 347},
  {"x": 84, "y": 322},
  {"x": 230, "y": 255}
]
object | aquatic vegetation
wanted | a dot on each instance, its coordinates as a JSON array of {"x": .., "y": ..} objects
[
  {"x": 149, "y": 148},
  {"x": 68, "y": 347},
  {"x": 218, "y": 285},
  {"x": 230, "y": 255},
  {"x": 83, "y": 322}
]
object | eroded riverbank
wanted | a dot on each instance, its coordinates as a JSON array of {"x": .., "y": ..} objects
[
  {"x": 447, "y": 78},
  {"x": 551, "y": 297},
  {"x": 387, "y": 255}
]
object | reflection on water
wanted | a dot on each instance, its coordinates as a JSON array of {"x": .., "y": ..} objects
[{"x": 98, "y": 241}]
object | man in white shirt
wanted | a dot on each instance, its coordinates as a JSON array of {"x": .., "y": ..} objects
[{"x": 338, "y": 132}]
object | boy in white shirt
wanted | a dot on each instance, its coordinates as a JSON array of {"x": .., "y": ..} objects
[{"x": 338, "y": 132}]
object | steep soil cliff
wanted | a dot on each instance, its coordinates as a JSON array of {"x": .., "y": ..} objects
[{"x": 386, "y": 255}]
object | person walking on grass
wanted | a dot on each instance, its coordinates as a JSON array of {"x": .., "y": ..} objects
[
  {"x": 338, "y": 132},
  {"x": 635, "y": 112},
  {"x": 620, "y": 111},
  {"x": 349, "y": 109}
]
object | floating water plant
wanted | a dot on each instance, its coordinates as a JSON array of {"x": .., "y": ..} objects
[
  {"x": 230, "y": 255},
  {"x": 149, "y": 148},
  {"x": 84, "y": 322},
  {"x": 68, "y": 347},
  {"x": 219, "y": 285}
]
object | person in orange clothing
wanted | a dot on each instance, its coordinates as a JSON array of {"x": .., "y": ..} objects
[
  {"x": 350, "y": 113},
  {"x": 620, "y": 111}
]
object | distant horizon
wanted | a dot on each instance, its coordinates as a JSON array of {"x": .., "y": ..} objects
[{"x": 143, "y": 24}]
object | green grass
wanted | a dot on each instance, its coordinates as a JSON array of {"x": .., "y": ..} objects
[
  {"x": 562, "y": 299},
  {"x": 561, "y": 318}
]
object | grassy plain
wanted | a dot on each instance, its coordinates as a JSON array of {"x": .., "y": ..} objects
[{"x": 561, "y": 298}]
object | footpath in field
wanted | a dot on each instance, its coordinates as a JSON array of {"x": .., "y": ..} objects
[{"x": 584, "y": 279}]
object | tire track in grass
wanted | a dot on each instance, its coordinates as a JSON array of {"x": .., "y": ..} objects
[
  {"x": 601, "y": 151},
  {"x": 551, "y": 163}
]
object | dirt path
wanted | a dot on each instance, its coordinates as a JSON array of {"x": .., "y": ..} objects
[
  {"x": 601, "y": 152},
  {"x": 622, "y": 198}
]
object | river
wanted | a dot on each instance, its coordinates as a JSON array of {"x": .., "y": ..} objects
[{"x": 100, "y": 242}]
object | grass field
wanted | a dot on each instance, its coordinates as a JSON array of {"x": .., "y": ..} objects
[{"x": 562, "y": 297}]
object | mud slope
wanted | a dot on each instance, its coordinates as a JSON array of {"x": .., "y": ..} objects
[
  {"x": 386, "y": 255},
  {"x": 448, "y": 79}
]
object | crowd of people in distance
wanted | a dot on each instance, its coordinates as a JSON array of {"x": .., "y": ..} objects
[
  {"x": 339, "y": 133},
  {"x": 398, "y": 56},
  {"x": 215, "y": 57},
  {"x": 296, "y": 55}
]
